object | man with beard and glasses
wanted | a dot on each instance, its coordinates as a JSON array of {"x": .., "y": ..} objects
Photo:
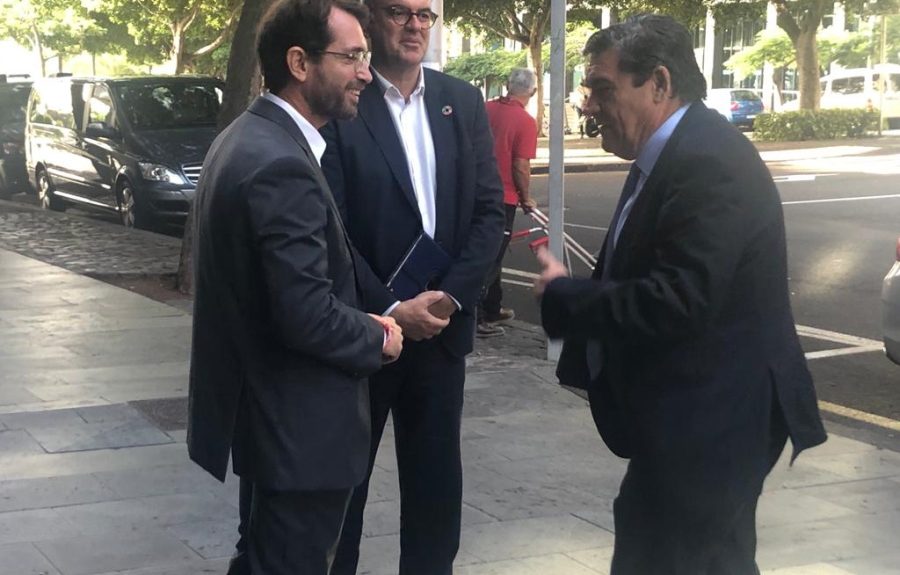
[
  {"x": 280, "y": 351},
  {"x": 418, "y": 165},
  {"x": 684, "y": 337}
]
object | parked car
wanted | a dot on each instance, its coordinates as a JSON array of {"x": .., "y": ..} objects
[
  {"x": 740, "y": 106},
  {"x": 861, "y": 88},
  {"x": 890, "y": 299},
  {"x": 131, "y": 145},
  {"x": 14, "y": 92}
]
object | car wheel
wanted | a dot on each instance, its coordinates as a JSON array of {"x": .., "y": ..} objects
[
  {"x": 47, "y": 193},
  {"x": 130, "y": 209}
]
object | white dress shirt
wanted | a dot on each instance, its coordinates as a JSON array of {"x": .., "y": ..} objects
[
  {"x": 313, "y": 137},
  {"x": 411, "y": 120}
]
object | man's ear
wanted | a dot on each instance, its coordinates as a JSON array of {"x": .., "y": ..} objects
[
  {"x": 662, "y": 83},
  {"x": 297, "y": 63}
]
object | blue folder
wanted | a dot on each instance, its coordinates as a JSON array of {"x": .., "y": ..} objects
[{"x": 422, "y": 267}]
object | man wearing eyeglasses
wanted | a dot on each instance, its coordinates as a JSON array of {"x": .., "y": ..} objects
[
  {"x": 418, "y": 159},
  {"x": 280, "y": 350}
]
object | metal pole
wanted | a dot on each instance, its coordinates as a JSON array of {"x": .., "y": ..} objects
[
  {"x": 434, "y": 56},
  {"x": 556, "y": 181},
  {"x": 882, "y": 76}
]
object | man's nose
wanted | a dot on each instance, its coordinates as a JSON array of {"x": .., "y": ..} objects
[{"x": 363, "y": 73}]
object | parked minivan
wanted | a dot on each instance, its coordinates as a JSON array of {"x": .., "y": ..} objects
[
  {"x": 861, "y": 88},
  {"x": 133, "y": 145}
]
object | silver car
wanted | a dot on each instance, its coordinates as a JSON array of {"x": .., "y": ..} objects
[{"x": 890, "y": 298}]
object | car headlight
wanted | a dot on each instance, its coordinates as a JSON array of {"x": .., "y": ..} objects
[{"x": 160, "y": 173}]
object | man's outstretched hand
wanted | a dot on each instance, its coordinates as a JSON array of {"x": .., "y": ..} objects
[{"x": 551, "y": 268}]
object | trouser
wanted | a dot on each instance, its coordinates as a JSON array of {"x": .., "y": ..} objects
[
  {"x": 490, "y": 303},
  {"x": 423, "y": 392},
  {"x": 711, "y": 533}
]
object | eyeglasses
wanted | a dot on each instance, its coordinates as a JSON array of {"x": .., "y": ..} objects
[
  {"x": 359, "y": 59},
  {"x": 401, "y": 16}
]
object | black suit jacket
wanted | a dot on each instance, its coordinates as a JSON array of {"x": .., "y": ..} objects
[
  {"x": 695, "y": 320},
  {"x": 368, "y": 172},
  {"x": 280, "y": 356}
]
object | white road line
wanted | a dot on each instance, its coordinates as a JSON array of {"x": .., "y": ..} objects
[
  {"x": 836, "y": 337},
  {"x": 858, "y": 415},
  {"x": 831, "y": 200},
  {"x": 586, "y": 227},
  {"x": 844, "y": 351},
  {"x": 516, "y": 282},
  {"x": 520, "y": 273}
]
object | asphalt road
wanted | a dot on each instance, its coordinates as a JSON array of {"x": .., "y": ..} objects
[{"x": 842, "y": 217}]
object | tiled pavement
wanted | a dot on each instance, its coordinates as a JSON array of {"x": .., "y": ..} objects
[{"x": 94, "y": 478}]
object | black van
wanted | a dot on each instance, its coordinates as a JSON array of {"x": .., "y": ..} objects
[
  {"x": 14, "y": 90},
  {"x": 132, "y": 145}
]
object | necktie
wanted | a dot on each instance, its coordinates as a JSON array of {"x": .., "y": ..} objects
[
  {"x": 634, "y": 174},
  {"x": 593, "y": 349}
]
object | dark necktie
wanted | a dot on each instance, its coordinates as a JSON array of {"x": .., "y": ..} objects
[{"x": 593, "y": 348}]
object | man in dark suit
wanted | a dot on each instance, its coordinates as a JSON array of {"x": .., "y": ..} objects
[
  {"x": 683, "y": 337},
  {"x": 419, "y": 158},
  {"x": 280, "y": 353}
]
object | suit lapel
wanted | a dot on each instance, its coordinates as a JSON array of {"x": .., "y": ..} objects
[
  {"x": 374, "y": 112},
  {"x": 442, "y": 120}
]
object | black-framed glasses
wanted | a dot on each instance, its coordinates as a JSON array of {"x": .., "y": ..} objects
[
  {"x": 359, "y": 58},
  {"x": 401, "y": 16}
]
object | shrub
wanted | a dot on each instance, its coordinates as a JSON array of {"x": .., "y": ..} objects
[{"x": 814, "y": 125}]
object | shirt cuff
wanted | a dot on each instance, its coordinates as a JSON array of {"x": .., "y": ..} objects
[{"x": 391, "y": 308}]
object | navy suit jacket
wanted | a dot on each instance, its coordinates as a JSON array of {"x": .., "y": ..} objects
[
  {"x": 280, "y": 355},
  {"x": 694, "y": 321},
  {"x": 367, "y": 169}
]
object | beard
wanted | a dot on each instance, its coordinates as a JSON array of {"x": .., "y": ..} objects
[{"x": 327, "y": 100}]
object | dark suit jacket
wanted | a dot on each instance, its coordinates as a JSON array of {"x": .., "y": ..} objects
[
  {"x": 280, "y": 356},
  {"x": 367, "y": 169},
  {"x": 695, "y": 320}
]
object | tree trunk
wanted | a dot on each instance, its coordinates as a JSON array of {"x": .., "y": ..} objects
[
  {"x": 178, "y": 33},
  {"x": 242, "y": 83},
  {"x": 537, "y": 64},
  {"x": 808, "y": 69}
]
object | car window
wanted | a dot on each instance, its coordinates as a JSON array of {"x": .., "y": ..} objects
[
  {"x": 160, "y": 106},
  {"x": 13, "y": 98},
  {"x": 893, "y": 81},
  {"x": 744, "y": 95},
  {"x": 54, "y": 106},
  {"x": 100, "y": 109},
  {"x": 852, "y": 85}
]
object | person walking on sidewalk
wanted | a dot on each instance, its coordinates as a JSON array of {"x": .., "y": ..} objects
[
  {"x": 684, "y": 336},
  {"x": 280, "y": 353},
  {"x": 418, "y": 162},
  {"x": 515, "y": 145}
]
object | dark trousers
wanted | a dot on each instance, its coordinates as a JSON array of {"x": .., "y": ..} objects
[
  {"x": 423, "y": 391},
  {"x": 710, "y": 533},
  {"x": 490, "y": 303},
  {"x": 288, "y": 532}
]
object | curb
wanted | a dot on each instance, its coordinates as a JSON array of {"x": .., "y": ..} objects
[{"x": 543, "y": 169}]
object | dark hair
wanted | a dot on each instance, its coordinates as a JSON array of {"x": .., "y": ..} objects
[
  {"x": 302, "y": 23},
  {"x": 649, "y": 40}
]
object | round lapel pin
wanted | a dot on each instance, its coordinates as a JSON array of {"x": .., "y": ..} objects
[{"x": 446, "y": 110}]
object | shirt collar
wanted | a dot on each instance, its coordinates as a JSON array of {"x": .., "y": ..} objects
[
  {"x": 510, "y": 101},
  {"x": 388, "y": 88},
  {"x": 313, "y": 137},
  {"x": 654, "y": 146}
]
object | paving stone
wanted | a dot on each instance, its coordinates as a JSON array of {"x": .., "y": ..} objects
[
  {"x": 185, "y": 477},
  {"x": 192, "y": 567},
  {"x": 210, "y": 539},
  {"x": 101, "y": 435},
  {"x": 598, "y": 559},
  {"x": 115, "y": 552},
  {"x": 24, "y": 559},
  {"x": 18, "y": 442},
  {"x": 864, "y": 496},
  {"x": 46, "y": 492},
  {"x": 36, "y": 419},
  {"x": 532, "y": 537},
  {"x": 34, "y": 525},
  {"x": 82, "y": 462},
  {"x": 555, "y": 564}
]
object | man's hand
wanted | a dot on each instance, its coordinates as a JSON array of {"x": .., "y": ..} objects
[
  {"x": 552, "y": 268},
  {"x": 417, "y": 320},
  {"x": 443, "y": 308},
  {"x": 393, "y": 340},
  {"x": 527, "y": 204}
]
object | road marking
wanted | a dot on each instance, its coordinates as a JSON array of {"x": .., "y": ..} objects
[
  {"x": 858, "y": 415},
  {"x": 836, "y": 337},
  {"x": 586, "y": 227},
  {"x": 516, "y": 283},
  {"x": 844, "y": 351},
  {"x": 830, "y": 200},
  {"x": 521, "y": 274},
  {"x": 799, "y": 177}
]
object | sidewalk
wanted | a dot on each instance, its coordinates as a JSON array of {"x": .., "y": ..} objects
[
  {"x": 94, "y": 476},
  {"x": 587, "y": 155}
]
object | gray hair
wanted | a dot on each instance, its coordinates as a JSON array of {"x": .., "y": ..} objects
[{"x": 521, "y": 82}]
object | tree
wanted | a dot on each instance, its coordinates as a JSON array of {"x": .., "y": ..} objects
[
  {"x": 485, "y": 69},
  {"x": 180, "y": 30},
  {"x": 242, "y": 84},
  {"x": 524, "y": 21}
]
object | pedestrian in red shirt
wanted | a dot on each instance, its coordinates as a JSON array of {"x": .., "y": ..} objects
[{"x": 515, "y": 145}]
